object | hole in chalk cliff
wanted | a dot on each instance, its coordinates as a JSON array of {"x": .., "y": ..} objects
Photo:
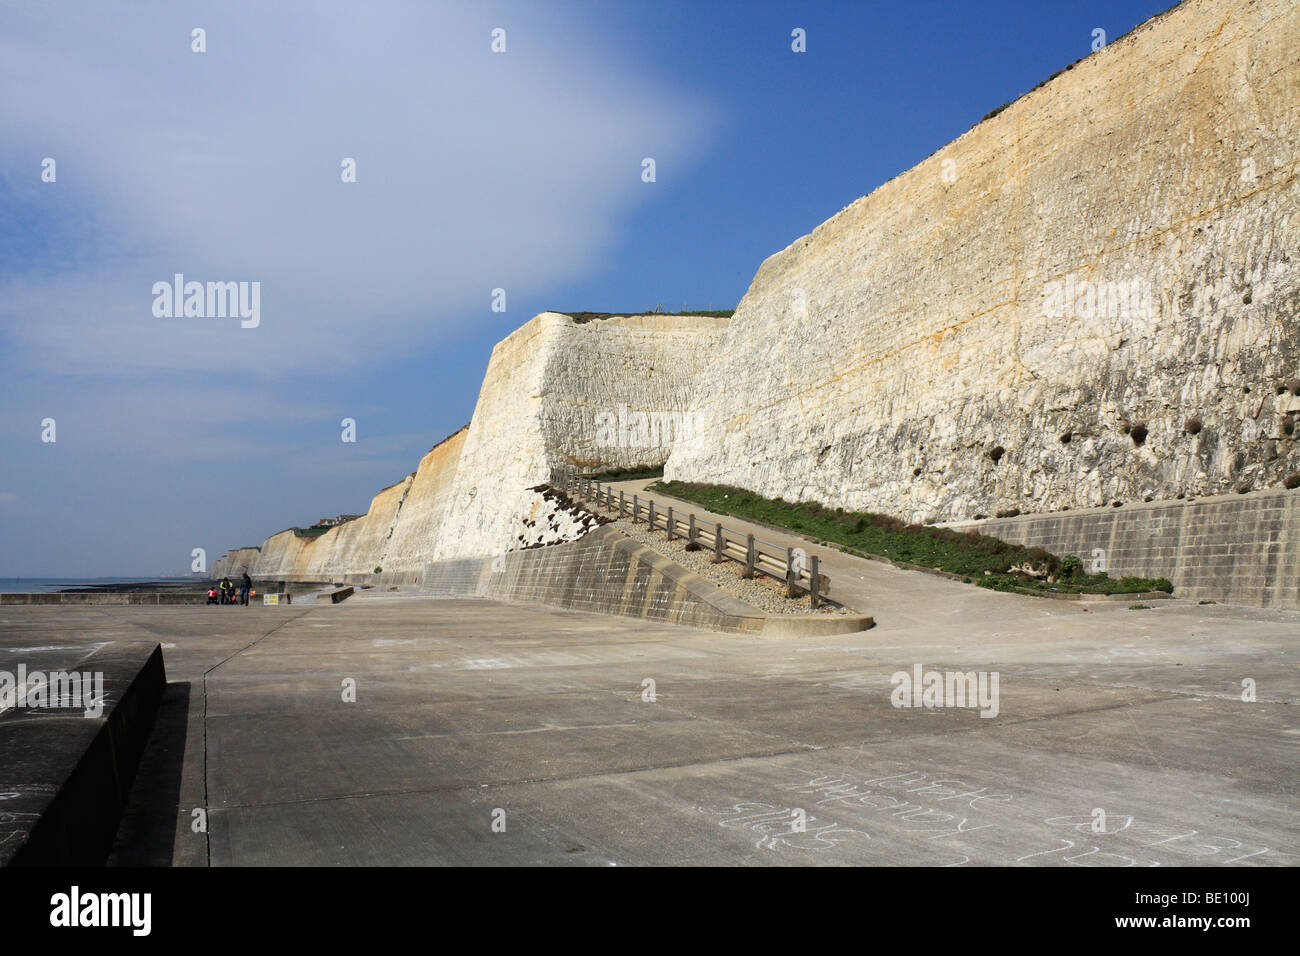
[
  {"x": 1193, "y": 426},
  {"x": 1065, "y": 438},
  {"x": 916, "y": 471},
  {"x": 995, "y": 454},
  {"x": 1291, "y": 481},
  {"x": 1138, "y": 434}
]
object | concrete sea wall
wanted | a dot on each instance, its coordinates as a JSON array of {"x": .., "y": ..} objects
[
  {"x": 1240, "y": 549},
  {"x": 607, "y": 573}
]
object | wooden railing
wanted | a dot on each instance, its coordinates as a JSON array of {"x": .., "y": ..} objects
[{"x": 794, "y": 566}]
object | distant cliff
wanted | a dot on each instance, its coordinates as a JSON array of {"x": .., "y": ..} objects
[{"x": 558, "y": 395}]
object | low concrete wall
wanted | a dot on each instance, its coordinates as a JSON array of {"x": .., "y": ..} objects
[
  {"x": 604, "y": 572},
  {"x": 608, "y": 573},
  {"x": 106, "y": 597},
  {"x": 1238, "y": 549},
  {"x": 70, "y": 775}
]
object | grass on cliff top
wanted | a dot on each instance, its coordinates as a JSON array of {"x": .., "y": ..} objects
[
  {"x": 315, "y": 531},
  {"x": 583, "y": 317},
  {"x": 979, "y": 558}
]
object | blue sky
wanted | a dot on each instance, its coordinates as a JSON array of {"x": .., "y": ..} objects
[{"x": 519, "y": 170}]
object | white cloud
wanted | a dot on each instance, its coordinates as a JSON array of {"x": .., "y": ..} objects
[{"x": 475, "y": 171}]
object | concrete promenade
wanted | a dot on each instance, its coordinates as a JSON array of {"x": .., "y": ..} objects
[{"x": 754, "y": 751}]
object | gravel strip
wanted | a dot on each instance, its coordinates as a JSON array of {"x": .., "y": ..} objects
[{"x": 762, "y": 592}]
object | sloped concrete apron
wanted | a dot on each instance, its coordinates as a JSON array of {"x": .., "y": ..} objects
[{"x": 608, "y": 573}]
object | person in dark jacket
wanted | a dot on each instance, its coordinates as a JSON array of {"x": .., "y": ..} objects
[{"x": 245, "y": 586}]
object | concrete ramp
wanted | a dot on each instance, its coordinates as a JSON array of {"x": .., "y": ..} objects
[{"x": 608, "y": 573}]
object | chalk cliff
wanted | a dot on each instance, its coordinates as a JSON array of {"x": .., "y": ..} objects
[
  {"x": 558, "y": 395},
  {"x": 1091, "y": 296},
  {"x": 610, "y": 393}
]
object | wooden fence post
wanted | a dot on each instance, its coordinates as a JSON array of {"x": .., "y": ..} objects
[
  {"x": 813, "y": 583},
  {"x": 691, "y": 543},
  {"x": 789, "y": 571},
  {"x": 636, "y": 507},
  {"x": 669, "y": 523},
  {"x": 651, "y": 521},
  {"x": 749, "y": 556},
  {"x": 620, "y": 504},
  {"x": 717, "y": 544}
]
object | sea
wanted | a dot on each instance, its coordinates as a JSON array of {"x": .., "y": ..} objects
[{"x": 38, "y": 585}]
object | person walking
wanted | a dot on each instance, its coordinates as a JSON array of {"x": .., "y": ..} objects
[{"x": 245, "y": 586}]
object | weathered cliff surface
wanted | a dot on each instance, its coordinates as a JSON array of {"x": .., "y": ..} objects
[
  {"x": 611, "y": 393},
  {"x": 420, "y": 520},
  {"x": 235, "y": 562},
  {"x": 557, "y": 395},
  {"x": 1091, "y": 296}
]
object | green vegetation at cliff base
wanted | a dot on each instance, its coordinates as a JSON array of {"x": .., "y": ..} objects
[{"x": 980, "y": 559}]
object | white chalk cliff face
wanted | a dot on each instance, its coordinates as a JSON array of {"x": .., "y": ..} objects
[
  {"x": 1092, "y": 296},
  {"x": 559, "y": 395}
]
